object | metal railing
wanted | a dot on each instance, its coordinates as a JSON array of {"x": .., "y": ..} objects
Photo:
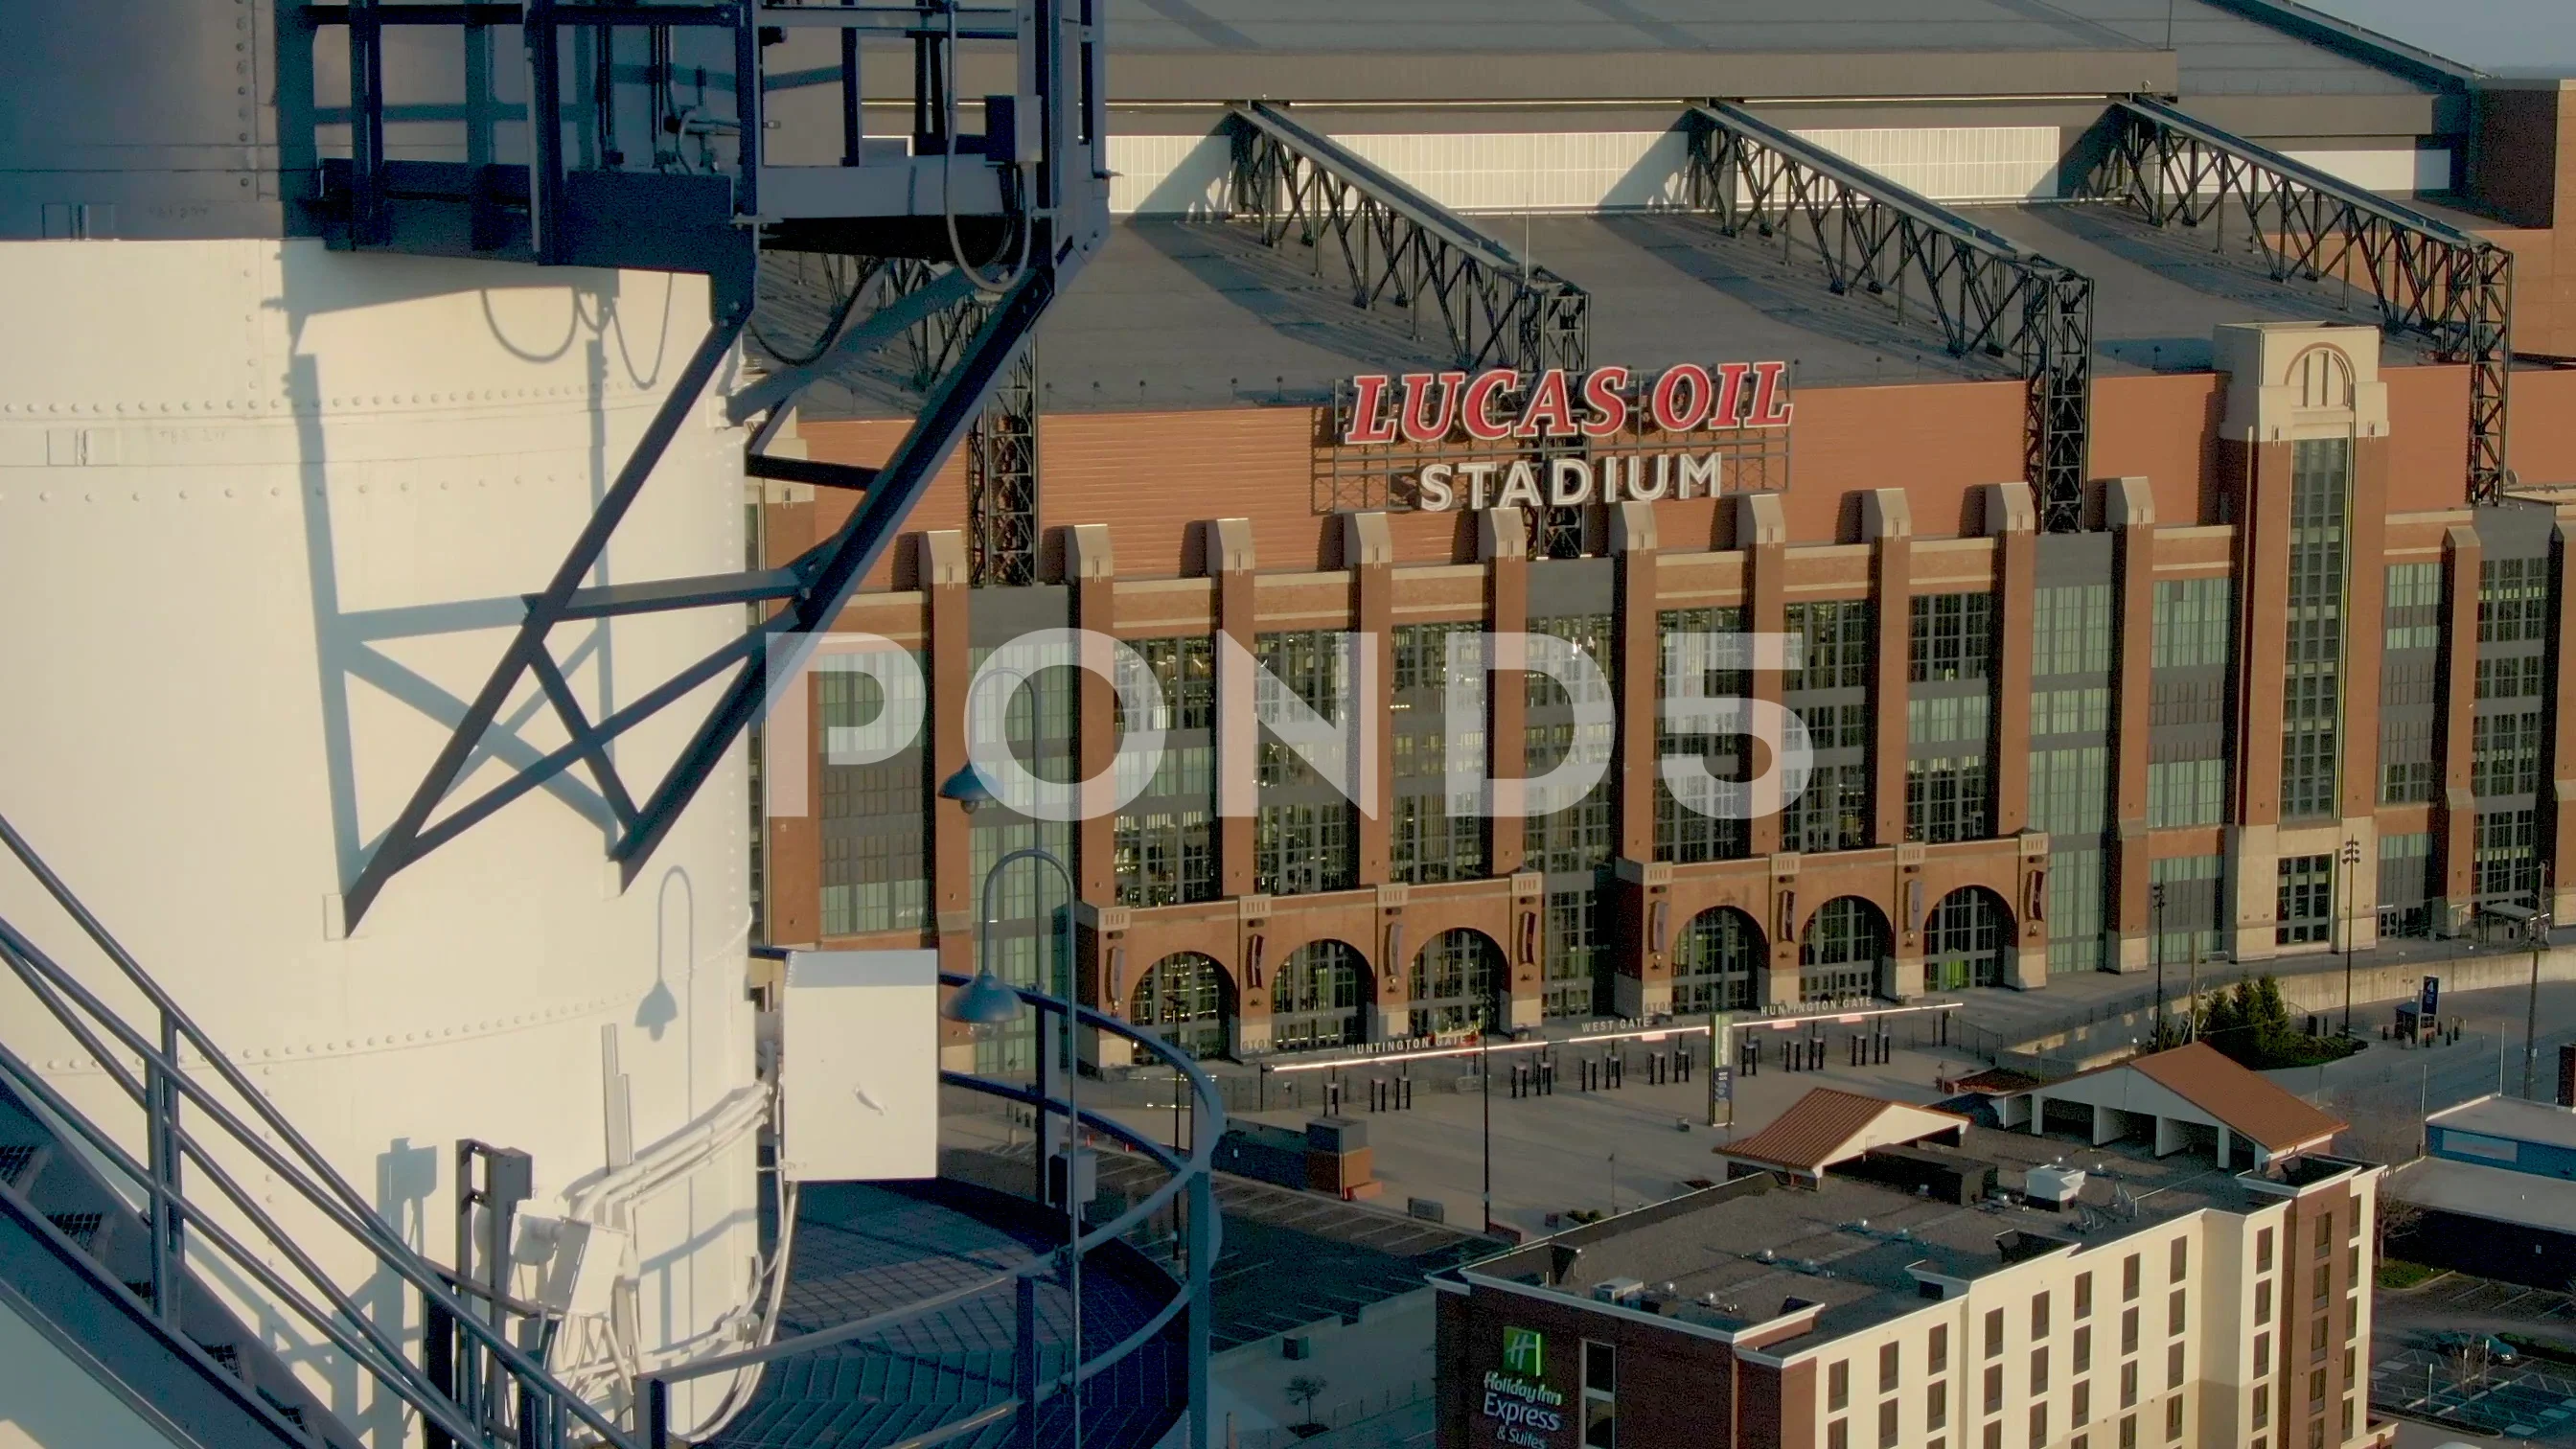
[
  {"x": 1191, "y": 1175},
  {"x": 162, "y": 1061}
]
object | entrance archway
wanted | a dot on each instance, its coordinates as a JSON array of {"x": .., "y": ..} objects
[
  {"x": 1963, "y": 941},
  {"x": 1841, "y": 950},
  {"x": 1319, "y": 997},
  {"x": 1456, "y": 980},
  {"x": 1716, "y": 960},
  {"x": 1186, "y": 998}
]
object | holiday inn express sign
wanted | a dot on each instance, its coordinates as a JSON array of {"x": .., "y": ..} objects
[{"x": 1650, "y": 438}]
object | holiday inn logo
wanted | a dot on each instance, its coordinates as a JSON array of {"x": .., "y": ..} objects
[{"x": 1524, "y": 1352}]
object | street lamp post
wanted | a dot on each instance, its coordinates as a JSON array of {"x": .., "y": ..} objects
[
  {"x": 988, "y": 1001},
  {"x": 2539, "y": 929},
  {"x": 2156, "y": 910},
  {"x": 2351, "y": 889}
]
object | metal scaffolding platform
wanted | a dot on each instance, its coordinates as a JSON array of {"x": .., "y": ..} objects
[
  {"x": 1981, "y": 291},
  {"x": 967, "y": 238},
  {"x": 2430, "y": 278}
]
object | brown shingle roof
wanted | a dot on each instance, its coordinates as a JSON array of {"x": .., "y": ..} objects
[
  {"x": 2249, "y": 1103},
  {"x": 1807, "y": 1136}
]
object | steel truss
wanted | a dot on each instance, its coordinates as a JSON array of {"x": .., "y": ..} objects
[
  {"x": 2431, "y": 279},
  {"x": 1002, "y": 450},
  {"x": 1984, "y": 294},
  {"x": 1401, "y": 248},
  {"x": 966, "y": 347}
]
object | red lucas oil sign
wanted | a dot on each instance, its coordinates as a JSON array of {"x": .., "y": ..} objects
[{"x": 1694, "y": 409}]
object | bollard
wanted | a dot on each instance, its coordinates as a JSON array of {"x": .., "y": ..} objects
[{"x": 1618, "y": 1071}]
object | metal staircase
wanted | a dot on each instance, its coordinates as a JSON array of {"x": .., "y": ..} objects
[{"x": 130, "y": 1244}]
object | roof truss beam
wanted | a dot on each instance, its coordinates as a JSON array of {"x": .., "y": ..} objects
[
  {"x": 1399, "y": 248},
  {"x": 2431, "y": 280},
  {"x": 1872, "y": 237}
]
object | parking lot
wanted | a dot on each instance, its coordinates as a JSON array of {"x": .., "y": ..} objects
[{"x": 2534, "y": 1399}]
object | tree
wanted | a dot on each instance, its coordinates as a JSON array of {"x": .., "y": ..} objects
[
  {"x": 1303, "y": 1391},
  {"x": 2393, "y": 1218}
]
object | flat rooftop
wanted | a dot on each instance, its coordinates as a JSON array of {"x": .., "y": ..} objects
[
  {"x": 2218, "y": 48},
  {"x": 2511, "y": 1118},
  {"x": 1177, "y": 314},
  {"x": 1735, "y": 1257},
  {"x": 2497, "y": 1194}
]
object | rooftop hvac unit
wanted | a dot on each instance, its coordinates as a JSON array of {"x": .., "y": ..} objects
[
  {"x": 1619, "y": 1290},
  {"x": 2053, "y": 1187}
]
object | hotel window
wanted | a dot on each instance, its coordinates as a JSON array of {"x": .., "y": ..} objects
[
  {"x": 2186, "y": 792},
  {"x": 2129, "y": 1384},
  {"x": 1838, "y": 1434},
  {"x": 1302, "y": 838},
  {"x": 1835, "y": 636},
  {"x": 873, "y": 819},
  {"x": 1838, "y": 1385},
  {"x": 2083, "y": 1295},
  {"x": 2039, "y": 1370},
  {"x": 2193, "y": 902},
  {"x": 1686, "y": 831},
  {"x": 1166, "y": 836},
  {"x": 2263, "y": 1251},
  {"x": 2305, "y": 899},
  {"x": 1036, "y": 724},
  {"x": 2505, "y": 863},
  {"x": 2083, "y": 1405},
  {"x": 1936, "y": 1405},
  {"x": 2177, "y": 1260},
  {"x": 2405, "y": 761},
  {"x": 1428, "y": 842},
  {"x": 2039, "y": 1315},
  {"x": 2071, "y": 630},
  {"x": 2175, "y": 1320},
  {"x": 2084, "y": 1349},
  {"x": 2129, "y": 1432},
  {"x": 2325, "y": 1234},
  {"x": 1570, "y": 948},
  {"x": 1946, "y": 799},
  {"x": 2513, "y": 600},
  {"x": 2347, "y": 1418},
  {"x": 2193, "y": 619},
  {"x": 2504, "y": 754},
  {"x": 2262, "y": 1405},
  {"x": 2263, "y": 1302},
  {"x": 2414, "y": 617},
  {"x": 1938, "y": 1354},
  {"x": 2173, "y": 1365},
  {"x": 1601, "y": 1396},
  {"x": 2038, "y": 1426},
  {"x": 1995, "y": 1389},
  {"x": 1953, "y": 636},
  {"x": 1887, "y": 1367},
  {"x": 2129, "y": 1278},
  {"x": 2510, "y": 676},
  {"x": 2316, "y": 1387},
  {"x": 1887, "y": 1430},
  {"x": 2173, "y": 1417},
  {"x": 2311, "y": 709},
  {"x": 1995, "y": 1434},
  {"x": 2129, "y": 1330},
  {"x": 1827, "y": 689},
  {"x": 2317, "y": 1338},
  {"x": 1576, "y": 839},
  {"x": 2262, "y": 1354}
]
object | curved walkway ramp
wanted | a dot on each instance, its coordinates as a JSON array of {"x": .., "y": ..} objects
[{"x": 863, "y": 1248}]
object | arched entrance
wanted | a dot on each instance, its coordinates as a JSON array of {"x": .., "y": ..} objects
[
  {"x": 1716, "y": 960},
  {"x": 1963, "y": 941},
  {"x": 1840, "y": 953},
  {"x": 1319, "y": 997},
  {"x": 1186, "y": 998},
  {"x": 1457, "y": 980}
]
